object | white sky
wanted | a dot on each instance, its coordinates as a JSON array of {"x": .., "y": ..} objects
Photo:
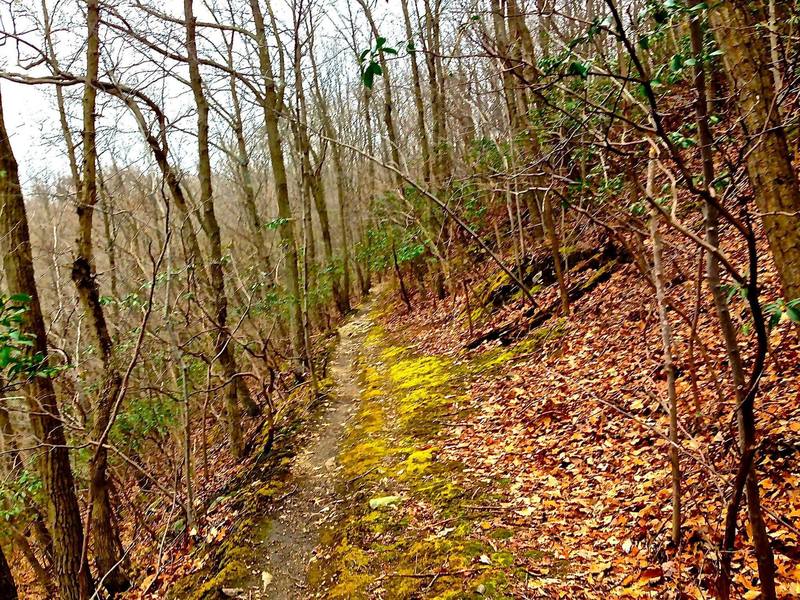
[{"x": 30, "y": 111}]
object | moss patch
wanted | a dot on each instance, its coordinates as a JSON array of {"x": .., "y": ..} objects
[
  {"x": 496, "y": 357},
  {"x": 430, "y": 544}
]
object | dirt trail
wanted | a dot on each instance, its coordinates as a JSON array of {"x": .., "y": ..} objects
[{"x": 295, "y": 530}]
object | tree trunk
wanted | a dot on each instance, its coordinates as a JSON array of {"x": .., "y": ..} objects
[
  {"x": 74, "y": 580},
  {"x": 769, "y": 164},
  {"x": 419, "y": 103},
  {"x": 388, "y": 106},
  {"x": 234, "y": 394},
  {"x": 766, "y": 565},
  {"x": 110, "y": 232},
  {"x": 400, "y": 282},
  {"x": 8, "y": 589},
  {"x": 45, "y": 579},
  {"x": 243, "y": 164},
  {"x": 669, "y": 366},
  {"x": 271, "y": 106},
  {"x": 109, "y": 557},
  {"x": 436, "y": 80},
  {"x": 342, "y": 299}
]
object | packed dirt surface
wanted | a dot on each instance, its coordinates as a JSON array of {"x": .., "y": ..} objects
[{"x": 306, "y": 507}]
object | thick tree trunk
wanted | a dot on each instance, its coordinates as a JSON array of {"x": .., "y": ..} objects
[
  {"x": 769, "y": 165},
  {"x": 74, "y": 580},
  {"x": 8, "y": 589}
]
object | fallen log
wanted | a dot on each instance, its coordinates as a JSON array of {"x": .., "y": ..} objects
[{"x": 603, "y": 264}]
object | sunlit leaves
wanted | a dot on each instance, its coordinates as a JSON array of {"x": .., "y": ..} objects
[
  {"x": 276, "y": 223},
  {"x": 369, "y": 73},
  {"x": 581, "y": 69},
  {"x": 780, "y": 310}
]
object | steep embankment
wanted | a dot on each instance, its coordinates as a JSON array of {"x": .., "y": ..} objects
[
  {"x": 535, "y": 464},
  {"x": 531, "y": 464}
]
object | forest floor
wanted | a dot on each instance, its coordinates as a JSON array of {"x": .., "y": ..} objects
[
  {"x": 535, "y": 466},
  {"x": 272, "y": 539},
  {"x": 531, "y": 466}
]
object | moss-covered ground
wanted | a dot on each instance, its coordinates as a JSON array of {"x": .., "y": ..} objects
[{"x": 413, "y": 525}]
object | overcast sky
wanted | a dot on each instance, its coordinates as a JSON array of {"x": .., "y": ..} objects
[{"x": 30, "y": 111}]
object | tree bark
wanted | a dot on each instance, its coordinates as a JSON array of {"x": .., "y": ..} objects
[
  {"x": 243, "y": 165},
  {"x": 388, "y": 102},
  {"x": 74, "y": 580},
  {"x": 436, "y": 81},
  {"x": 419, "y": 103},
  {"x": 744, "y": 413},
  {"x": 271, "y": 106},
  {"x": 342, "y": 299},
  {"x": 108, "y": 553},
  {"x": 669, "y": 365},
  {"x": 313, "y": 174},
  {"x": 234, "y": 393},
  {"x": 769, "y": 165},
  {"x": 8, "y": 589}
]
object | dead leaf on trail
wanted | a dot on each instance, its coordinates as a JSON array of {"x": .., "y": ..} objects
[
  {"x": 599, "y": 567},
  {"x": 384, "y": 501},
  {"x": 266, "y": 579}
]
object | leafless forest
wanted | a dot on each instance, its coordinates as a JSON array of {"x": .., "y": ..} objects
[{"x": 576, "y": 228}]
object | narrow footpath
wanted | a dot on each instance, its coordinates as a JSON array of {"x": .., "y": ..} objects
[{"x": 309, "y": 503}]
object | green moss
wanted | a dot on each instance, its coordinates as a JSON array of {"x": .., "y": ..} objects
[
  {"x": 502, "y": 559},
  {"x": 501, "y": 534},
  {"x": 232, "y": 574},
  {"x": 270, "y": 490},
  {"x": 353, "y": 557},
  {"x": 440, "y": 491},
  {"x": 419, "y": 461},
  {"x": 364, "y": 457},
  {"x": 499, "y": 356},
  {"x": 494, "y": 583},
  {"x": 599, "y": 275},
  {"x": 391, "y": 447},
  {"x": 500, "y": 279},
  {"x": 426, "y": 371},
  {"x": 351, "y": 586},
  {"x": 374, "y": 337}
]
